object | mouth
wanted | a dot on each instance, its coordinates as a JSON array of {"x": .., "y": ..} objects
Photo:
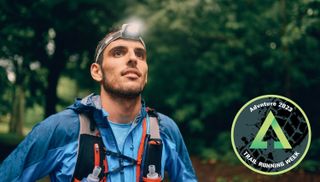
[{"x": 131, "y": 72}]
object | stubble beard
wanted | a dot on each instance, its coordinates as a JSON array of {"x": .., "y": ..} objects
[{"x": 122, "y": 93}]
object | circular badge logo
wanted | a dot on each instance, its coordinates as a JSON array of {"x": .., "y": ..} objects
[{"x": 271, "y": 134}]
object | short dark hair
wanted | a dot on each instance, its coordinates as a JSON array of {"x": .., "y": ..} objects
[{"x": 101, "y": 42}]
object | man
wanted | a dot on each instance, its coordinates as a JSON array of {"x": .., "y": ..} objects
[{"x": 110, "y": 135}]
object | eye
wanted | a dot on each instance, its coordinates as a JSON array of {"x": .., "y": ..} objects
[
  {"x": 140, "y": 53},
  {"x": 118, "y": 52}
]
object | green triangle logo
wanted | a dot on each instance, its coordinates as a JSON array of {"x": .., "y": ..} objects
[{"x": 258, "y": 142}]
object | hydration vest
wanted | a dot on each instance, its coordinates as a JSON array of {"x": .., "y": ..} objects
[{"x": 92, "y": 152}]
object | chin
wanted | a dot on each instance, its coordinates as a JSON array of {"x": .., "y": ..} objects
[
  {"x": 132, "y": 86},
  {"x": 132, "y": 90}
]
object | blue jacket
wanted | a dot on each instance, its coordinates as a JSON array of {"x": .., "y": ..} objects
[{"x": 51, "y": 147}]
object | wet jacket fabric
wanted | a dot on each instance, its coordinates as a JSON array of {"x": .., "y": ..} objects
[{"x": 51, "y": 147}]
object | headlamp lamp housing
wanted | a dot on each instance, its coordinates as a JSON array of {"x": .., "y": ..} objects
[{"x": 127, "y": 31}]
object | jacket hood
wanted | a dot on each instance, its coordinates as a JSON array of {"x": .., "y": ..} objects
[{"x": 87, "y": 104}]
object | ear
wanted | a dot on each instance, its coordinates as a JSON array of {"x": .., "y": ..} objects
[
  {"x": 96, "y": 72},
  {"x": 146, "y": 79}
]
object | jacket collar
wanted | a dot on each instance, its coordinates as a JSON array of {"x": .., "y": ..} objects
[{"x": 91, "y": 105}]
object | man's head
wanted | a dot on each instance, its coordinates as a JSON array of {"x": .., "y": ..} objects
[{"x": 120, "y": 63}]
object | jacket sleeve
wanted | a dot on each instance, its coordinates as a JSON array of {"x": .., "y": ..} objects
[
  {"x": 36, "y": 156},
  {"x": 178, "y": 163}
]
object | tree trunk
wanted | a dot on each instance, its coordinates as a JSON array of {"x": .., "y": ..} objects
[
  {"x": 57, "y": 64},
  {"x": 51, "y": 92},
  {"x": 18, "y": 111}
]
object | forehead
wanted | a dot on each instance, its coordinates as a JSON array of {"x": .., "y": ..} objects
[{"x": 125, "y": 43}]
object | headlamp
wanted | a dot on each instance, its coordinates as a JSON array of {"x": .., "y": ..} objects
[{"x": 127, "y": 31}]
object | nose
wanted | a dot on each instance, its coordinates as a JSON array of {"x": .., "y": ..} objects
[{"x": 132, "y": 59}]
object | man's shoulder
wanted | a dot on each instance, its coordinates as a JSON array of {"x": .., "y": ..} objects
[
  {"x": 168, "y": 127},
  {"x": 60, "y": 128},
  {"x": 63, "y": 118},
  {"x": 167, "y": 122}
]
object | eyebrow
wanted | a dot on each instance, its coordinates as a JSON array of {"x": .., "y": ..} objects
[
  {"x": 141, "y": 50},
  {"x": 117, "y": 48}
]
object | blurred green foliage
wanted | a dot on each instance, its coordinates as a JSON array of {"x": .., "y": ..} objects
[
  {"x": 312, "y": 163},
  {"x": 10, "y": 139},
  {"x": 206, "y": 59},
  {"x": 219, "y": 150}
]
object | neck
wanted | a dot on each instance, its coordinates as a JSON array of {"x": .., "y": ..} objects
[{"x": 120, "y": 110}]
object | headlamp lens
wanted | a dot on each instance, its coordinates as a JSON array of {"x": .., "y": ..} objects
[{"x": 131, "y": 30}]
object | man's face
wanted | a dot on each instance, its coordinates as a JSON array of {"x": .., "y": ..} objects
[{"x": 124, "y": 68}]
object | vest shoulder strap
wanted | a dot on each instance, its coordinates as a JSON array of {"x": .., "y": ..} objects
[
  {"x": 154, "y": 128},
  {"x": 85, "y": 125},
  {"x": 154, "y": 123}
]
